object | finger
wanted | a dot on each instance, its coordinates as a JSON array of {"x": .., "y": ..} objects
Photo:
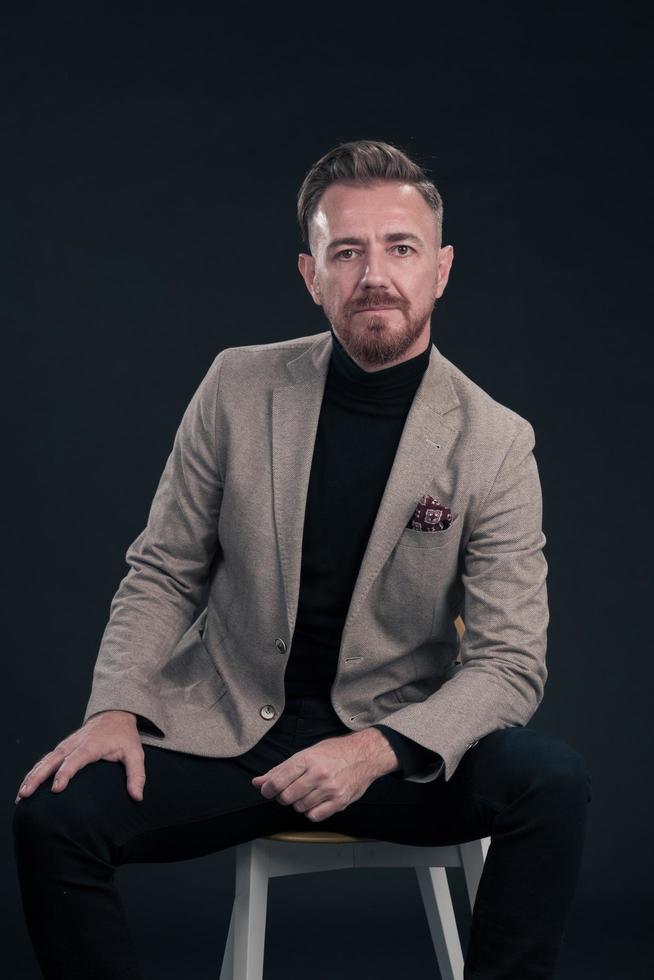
[
  {"x": 134, "y": 762},
  {"x": 270, "y": 787},
  {"x": 40, "y": 771},
  {"x": 313, "y": 798},
  {"x": 304, "y": 792},
  {"x": 262, "y": 779},
  {"x": 321, "y": 812},
  {"x": 325, "y": 808},
  {"x": 72, "y": 764},
  {"x": 279, "y": 778}
]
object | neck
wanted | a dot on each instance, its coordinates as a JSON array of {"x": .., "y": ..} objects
[
  {"x": 419, "y": 346},
  {"x": 387, "y": 382}
]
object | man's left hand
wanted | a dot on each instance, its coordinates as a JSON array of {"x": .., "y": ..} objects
[{"x": 328, "y": 776}]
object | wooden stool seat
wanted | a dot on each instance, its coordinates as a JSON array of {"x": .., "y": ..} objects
[{"x": 315, "y": 837}]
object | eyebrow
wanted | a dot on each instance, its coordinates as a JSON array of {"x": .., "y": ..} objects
[{"x": 393, "y": 236}]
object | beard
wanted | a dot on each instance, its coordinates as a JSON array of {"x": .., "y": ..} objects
[{"x": 371, "y": 339}]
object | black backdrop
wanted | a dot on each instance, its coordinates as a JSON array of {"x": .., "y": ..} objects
[{"x": 150, "y": 164}]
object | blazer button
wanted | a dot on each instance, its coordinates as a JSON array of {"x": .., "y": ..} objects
[
  {"x": 281, "y": 646},
  {"x": 267, "y": 712}
]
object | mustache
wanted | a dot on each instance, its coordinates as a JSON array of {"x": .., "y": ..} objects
[{"x": 382, "y": 301}]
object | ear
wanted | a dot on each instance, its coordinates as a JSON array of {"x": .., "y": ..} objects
[
  {"x": 445, "y": 259},
  {"x": 307, "y": 267}
]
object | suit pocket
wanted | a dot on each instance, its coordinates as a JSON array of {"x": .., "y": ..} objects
[
  {"x": 431, "y": 540},
  {"x": 218, "y": 677},
  {"x": 190, "y": 676}
]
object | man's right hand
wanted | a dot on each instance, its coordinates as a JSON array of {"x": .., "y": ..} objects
[{"x": 110, "y": 735}]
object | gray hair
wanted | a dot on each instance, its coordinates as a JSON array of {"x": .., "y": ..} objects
[{"x": 363, "y": 162}]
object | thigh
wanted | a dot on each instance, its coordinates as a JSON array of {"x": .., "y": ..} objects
[
  {"x": 493, "y": 773},
  {"x": 192, "y": 805},
  {"x": 429, "y": 814}
]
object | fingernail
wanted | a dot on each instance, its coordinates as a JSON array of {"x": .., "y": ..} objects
[{"x": 17, "y": 800}]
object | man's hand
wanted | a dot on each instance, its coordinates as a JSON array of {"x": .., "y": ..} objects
[
  {"x": 328, "y": 776},
  {"x": 110, "y": 735}
]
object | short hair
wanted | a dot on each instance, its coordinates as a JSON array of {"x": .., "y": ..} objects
[{"x": 363, "y": 162}]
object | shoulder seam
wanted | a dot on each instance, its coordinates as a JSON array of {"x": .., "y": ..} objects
[{"x": 458, "y": 376}]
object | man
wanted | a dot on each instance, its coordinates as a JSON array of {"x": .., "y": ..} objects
[{"x": 343, "y": 497}]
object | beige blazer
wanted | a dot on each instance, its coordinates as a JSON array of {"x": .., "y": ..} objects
[{"x": 200, "y": 627}]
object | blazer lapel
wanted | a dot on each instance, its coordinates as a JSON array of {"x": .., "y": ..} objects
[
  {"x": 421, "y": 462},
  {"x": 422, "y": 458},
  {"x": 295, "y": 414}
]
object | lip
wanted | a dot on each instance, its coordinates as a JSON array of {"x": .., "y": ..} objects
[{"x": 375, "y": 309}]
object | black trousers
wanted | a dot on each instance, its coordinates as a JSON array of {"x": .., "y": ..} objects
[{"x": 526, "y": 789}]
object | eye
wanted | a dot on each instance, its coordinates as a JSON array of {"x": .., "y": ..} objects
[{"x": 404, "y": 254}]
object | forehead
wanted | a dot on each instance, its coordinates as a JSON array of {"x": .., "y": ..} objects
[{"x": 345, "y": 208}]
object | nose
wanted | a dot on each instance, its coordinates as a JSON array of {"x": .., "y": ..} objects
[{"x": 375, "y": 274}]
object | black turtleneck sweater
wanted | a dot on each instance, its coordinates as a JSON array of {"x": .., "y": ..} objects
[{"x": 361, "y": 421}]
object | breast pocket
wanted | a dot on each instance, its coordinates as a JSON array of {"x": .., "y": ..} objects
[
  {"x": 431, "y": 540},
  {"x": 412, "y": 580}
]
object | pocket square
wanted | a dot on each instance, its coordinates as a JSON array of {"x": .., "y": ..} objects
[{"x": 430, "y": 515}]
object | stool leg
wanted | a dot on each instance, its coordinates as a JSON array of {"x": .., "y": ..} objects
[
  {"x": 437, "y": 901},
  {"x": 247, "y": 931},
  {"x": 227, "y": 969},
  {"x": 473, "y": 854}
]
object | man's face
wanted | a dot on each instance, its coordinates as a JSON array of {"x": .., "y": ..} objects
[{"x": 376, "y": 246}]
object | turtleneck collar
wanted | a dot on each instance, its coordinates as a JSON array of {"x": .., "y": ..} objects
[{"x": 388, "y": 380}]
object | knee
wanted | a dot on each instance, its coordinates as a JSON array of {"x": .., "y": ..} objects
[
  {"x": 566, "y": 770},
  {"x": 556, "y": 766},
  {"x": 34, "y": 815},
  {"x": 42, "y": 818}
]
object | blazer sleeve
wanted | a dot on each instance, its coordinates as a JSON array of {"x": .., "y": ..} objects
[
  {"x": 412, "y": 756},
  {"x": 502, "y": 675},
  {"x": 169, "y": 564}
]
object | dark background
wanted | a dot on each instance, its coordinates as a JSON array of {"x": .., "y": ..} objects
[{"x": 150, "y": 167}]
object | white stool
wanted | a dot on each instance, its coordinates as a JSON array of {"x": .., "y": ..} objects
[{"x": 299, "y": 852}]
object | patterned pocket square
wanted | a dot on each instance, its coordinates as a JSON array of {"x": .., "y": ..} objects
[{"x": 430, "y": 515}]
